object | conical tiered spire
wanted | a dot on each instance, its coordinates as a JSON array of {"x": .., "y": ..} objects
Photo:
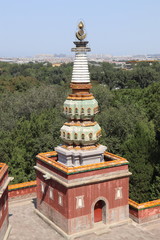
[{"x": 81, "y": 132}]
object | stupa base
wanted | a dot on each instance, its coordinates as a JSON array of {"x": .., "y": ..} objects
[{"x": 72, "y": 158}]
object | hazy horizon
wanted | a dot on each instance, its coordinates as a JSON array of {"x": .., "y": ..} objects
[{"x": 72, "y": 55}]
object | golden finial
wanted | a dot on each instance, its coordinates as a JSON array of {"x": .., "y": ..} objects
[{"x": 80, "y": 35}]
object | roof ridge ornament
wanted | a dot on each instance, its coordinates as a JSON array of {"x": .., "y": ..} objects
[{"x": 81, "y": 35}]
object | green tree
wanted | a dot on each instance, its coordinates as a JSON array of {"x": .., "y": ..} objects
[{"x": 138, "y": 150}]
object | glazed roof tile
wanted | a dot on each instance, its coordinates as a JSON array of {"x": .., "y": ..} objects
[
  {"x": 22, "y": 185},
  {"x": 145, "y": 205},
  {"x": 115, "y": 161}
]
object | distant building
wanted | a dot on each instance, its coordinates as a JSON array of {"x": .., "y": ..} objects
[
  {"x": 56, "y": 64},
  {"x": 129, "y": 64}
]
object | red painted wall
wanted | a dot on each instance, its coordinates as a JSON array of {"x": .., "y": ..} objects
[
  {"x": 4, "y": 197},
  {"x": 144, "y": 213},
  {"x": 20, "y": 192},
  {"x": 21, "y": 189},
  {"x": 57, "y": 188},
  {"x": 99, "y": 171},
  {"x": 149, "y": 212},
  {"x": 82, "y": 174},
  {"x": 4, "y": 209},
  {"x": 94, "y": 191},
  {"x": 4, "y": 177},
  {"x": 90, "y": 192},
  {"x": 133, "y": 212},
  {"x": 3, "y": 172}
]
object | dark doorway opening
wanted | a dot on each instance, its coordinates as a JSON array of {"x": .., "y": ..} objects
[{"x": 99, "y": 211}]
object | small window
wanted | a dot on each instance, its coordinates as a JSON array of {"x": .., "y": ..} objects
[
  {"x": 70, "y": 110},
  {"x": 82, "y": 136},
  {"x": 64, "y": 134},
  {"x": 79, "y": 202},
  {"x": 75, "y": 136},
  {"x": 42, "y": 187},
  {"x": 66, "y": 110},
  {"x": 118, "y": 193},
  {"x": 90, "y": 136},
  {"x": 68, "y": 135},
  {"x": 82, "y": 111},
  {"x": 76, "y": 110},
  {"x": 60, "y": 199},
  {"x": 89, "y": 111},
  {"x": 51, "y": 196}
]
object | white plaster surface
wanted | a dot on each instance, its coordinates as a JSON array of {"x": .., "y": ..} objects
[
  {"x": 26, "y": 225},
  {"x": 80, "y": 68},
  {"x": 82, "y": 157}
]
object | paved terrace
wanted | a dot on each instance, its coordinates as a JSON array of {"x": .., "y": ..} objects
[{"x": 26, "y": 225}]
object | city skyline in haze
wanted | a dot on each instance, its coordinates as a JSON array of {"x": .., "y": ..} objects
[{"x": 47, "y": 27}]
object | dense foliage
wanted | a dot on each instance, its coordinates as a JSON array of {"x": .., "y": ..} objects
[{"x": 31, "y": 99}]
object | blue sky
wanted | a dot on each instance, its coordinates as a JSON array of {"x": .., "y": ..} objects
[{"x": 116, "y": 27}]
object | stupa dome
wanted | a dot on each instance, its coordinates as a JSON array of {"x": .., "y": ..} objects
[
  {"x": 80, "y": 109},
  {"x": 80, "y": 133}
]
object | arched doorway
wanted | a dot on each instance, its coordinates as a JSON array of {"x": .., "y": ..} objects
[{"x": 99, "y": 211}]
